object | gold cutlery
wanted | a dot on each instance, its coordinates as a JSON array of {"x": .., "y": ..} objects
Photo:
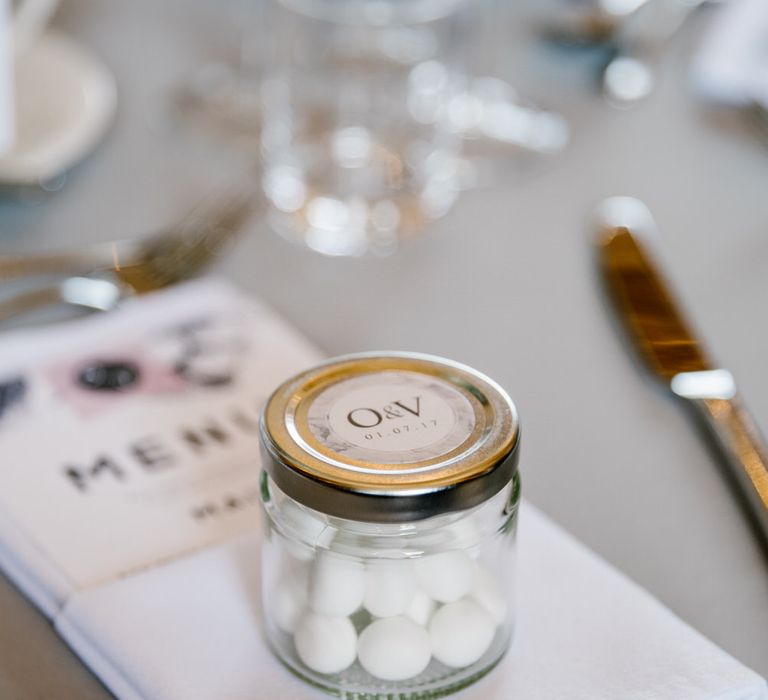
[
  {"x": 673, "y": 353},
  {"x": 133, "y": 267}
]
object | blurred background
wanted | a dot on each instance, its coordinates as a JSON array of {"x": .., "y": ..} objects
[{"x": 420, "y": 175}]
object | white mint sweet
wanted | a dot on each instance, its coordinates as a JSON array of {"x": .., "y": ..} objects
[
  {"x": 310, "y": 527},
  {"x": 288, "y": 579},
  {"x": 326, "y": 644},
  {"x": 289, "y": 567},
  {"x": 465, "y": 534},
  {"x": 446, "y": 576},
  {"x": 488, "y": 593},
  {"x": 460, "y": 633},
  {"x": 421, "y": 608},
  {"x": 394, "y": 649},
  {"x": 288, "y": 604},
  {"x": 336, "y": 585},
  {"x": 389, "y": 587}
]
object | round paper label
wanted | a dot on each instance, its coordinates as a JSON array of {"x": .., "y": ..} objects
[{"x": 393, "y": 417}]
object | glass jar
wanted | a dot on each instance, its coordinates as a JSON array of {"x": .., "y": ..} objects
[
  {"x": 390, "y": 494},
  {"x": 356, "y": 152}
]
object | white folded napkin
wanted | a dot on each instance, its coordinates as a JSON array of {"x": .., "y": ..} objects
[
  {"x": 189, "y": 630},
  {"x": 153, "y": 578},
  {"x": 731, "y": 64}
]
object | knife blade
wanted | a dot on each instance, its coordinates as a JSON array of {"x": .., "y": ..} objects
[{"x": 673, "y": 353}]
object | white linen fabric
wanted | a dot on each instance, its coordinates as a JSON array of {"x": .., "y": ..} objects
[{"x": 189, "y": 630}]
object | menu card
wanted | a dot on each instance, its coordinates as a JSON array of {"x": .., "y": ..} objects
[{"x": 130, "y": 439}]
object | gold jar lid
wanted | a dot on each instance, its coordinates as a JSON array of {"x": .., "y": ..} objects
[{"x": 390, "y": 437}]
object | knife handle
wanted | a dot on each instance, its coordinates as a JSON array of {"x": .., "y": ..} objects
[{"x": 739, "y": 439}]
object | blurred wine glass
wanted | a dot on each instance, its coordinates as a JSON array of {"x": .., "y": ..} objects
[
  {"x": 370, "y": 116},
  {"x": 356, "y": 146},
  {"x": 491, "y": 108}
]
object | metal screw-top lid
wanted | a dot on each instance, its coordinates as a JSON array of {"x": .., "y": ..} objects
[{"x": 390, "y": 437}]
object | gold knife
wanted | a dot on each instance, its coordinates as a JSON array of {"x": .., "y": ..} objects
[{"x": 672, "y": 352}]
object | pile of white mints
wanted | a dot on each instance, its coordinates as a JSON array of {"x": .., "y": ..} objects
[{"x": 445, "y": 606}]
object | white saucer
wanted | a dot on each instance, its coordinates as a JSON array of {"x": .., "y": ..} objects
[{"x": 65, "y": 100}]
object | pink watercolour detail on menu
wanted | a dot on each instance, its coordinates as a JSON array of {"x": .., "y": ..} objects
[{"x": 149, "y": 375}]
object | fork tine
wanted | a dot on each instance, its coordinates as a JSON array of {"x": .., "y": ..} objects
[
  {"x": 171, "y": 255},
  {"x": 187, "y": 249}
]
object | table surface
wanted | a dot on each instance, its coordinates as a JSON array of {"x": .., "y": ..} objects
[{"x": 505, "y": 283}]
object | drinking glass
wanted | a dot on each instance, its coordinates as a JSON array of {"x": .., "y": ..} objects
[
  {"x": 357, "y": 150},
  {"x": 500, "y": 126}
]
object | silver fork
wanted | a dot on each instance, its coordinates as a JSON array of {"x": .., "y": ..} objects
[
  {"x": 178, "y": 253},
  {"x": 89, "y": 293}
]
